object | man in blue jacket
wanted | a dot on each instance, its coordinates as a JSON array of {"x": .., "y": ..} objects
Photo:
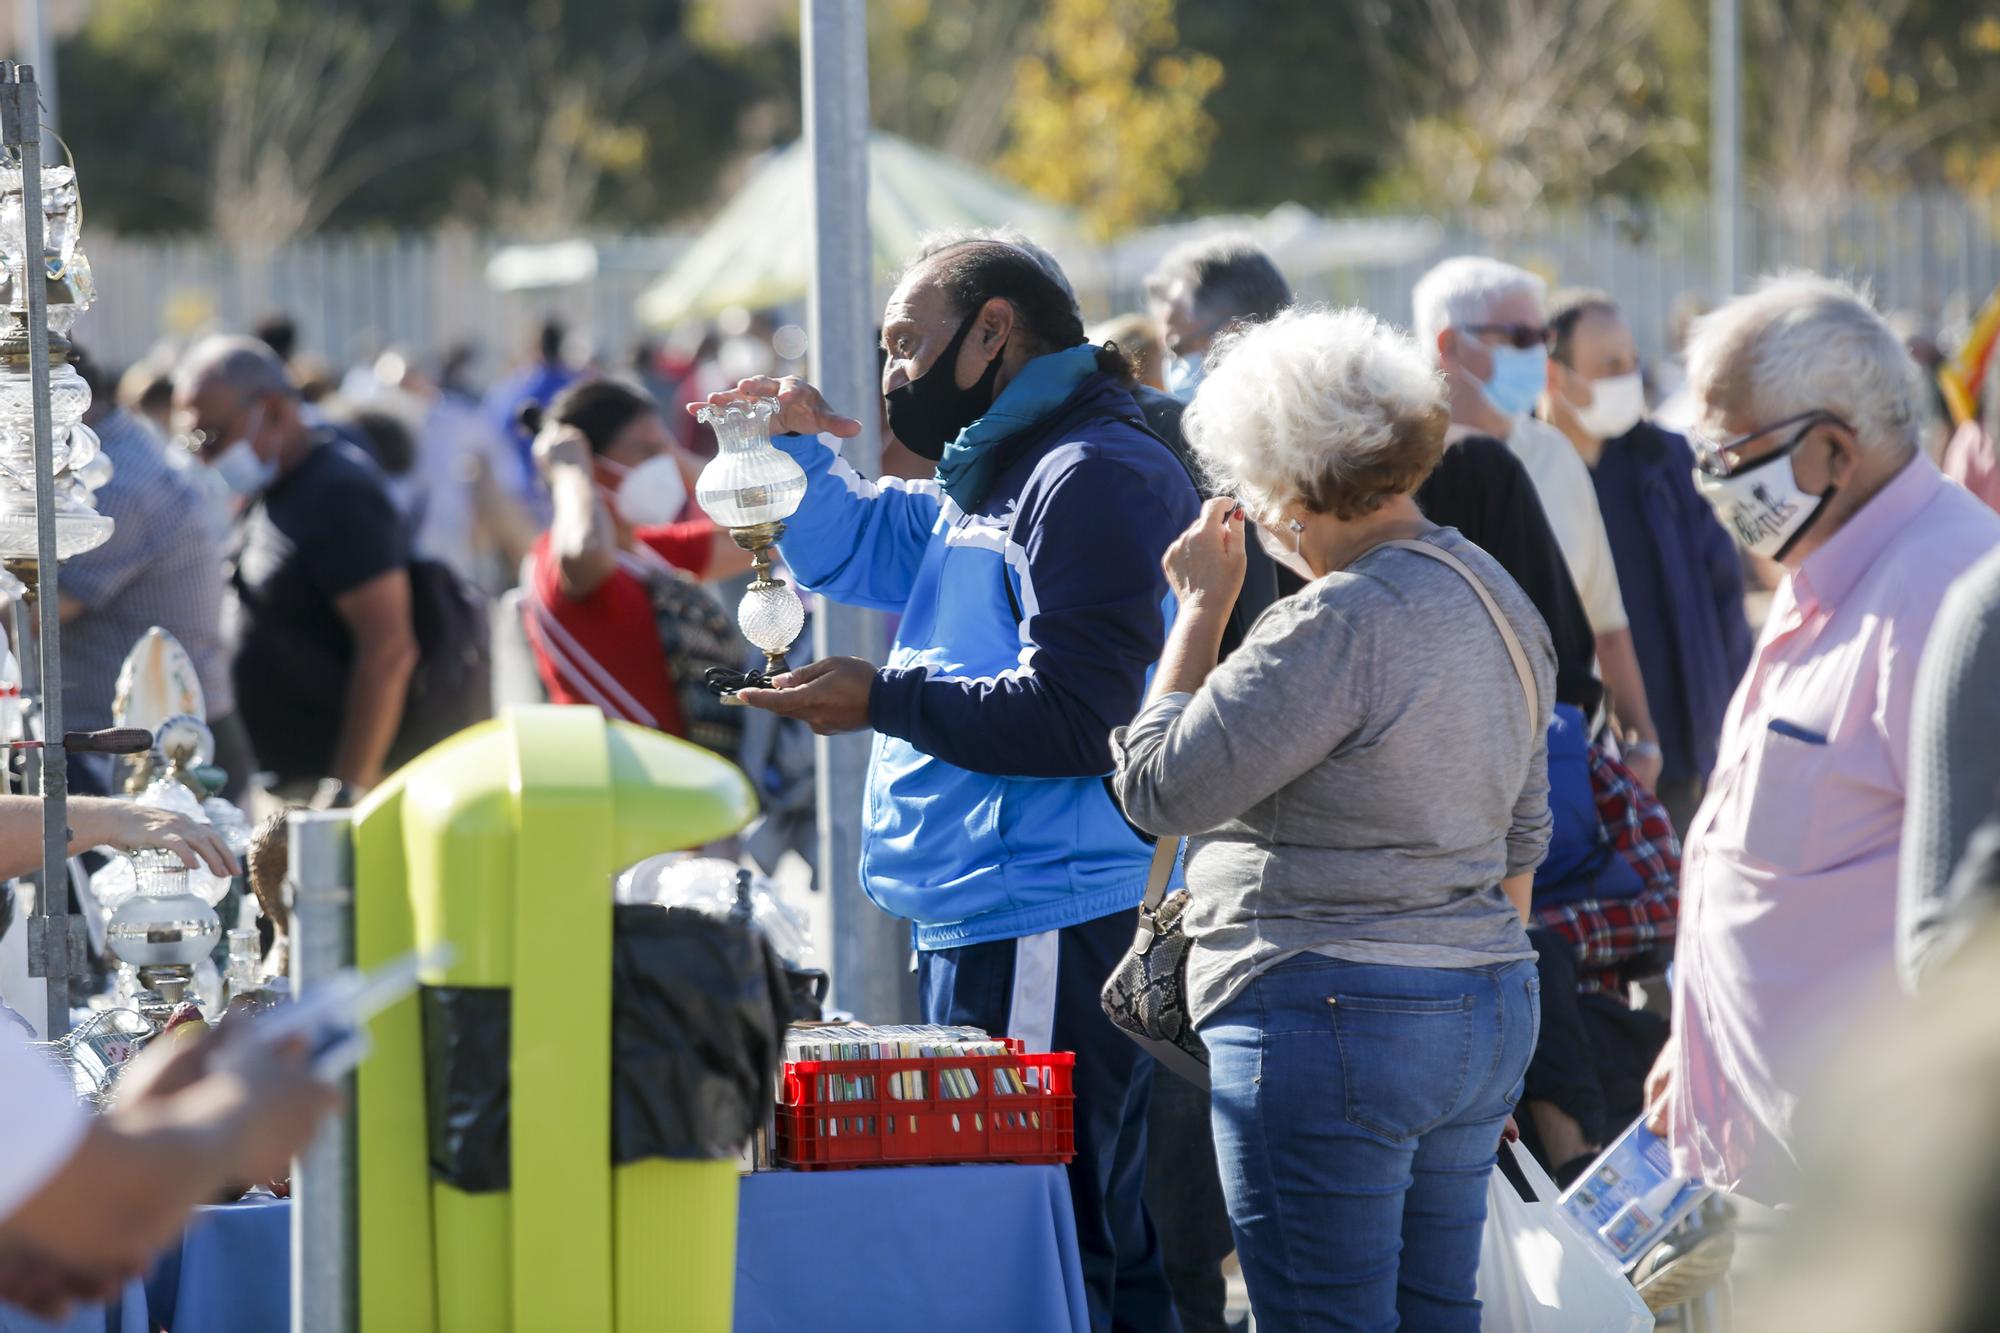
[{"x": 1027, "y": 576}]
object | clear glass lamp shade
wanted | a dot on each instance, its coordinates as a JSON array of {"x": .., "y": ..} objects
[
  {"x": 749, "y": 482},
  {"x": 78, "y": 527},
  {"x": 162, "y": 923},
  {"x": 771, "y": 616},
  {"x": 61, "y": 216}
]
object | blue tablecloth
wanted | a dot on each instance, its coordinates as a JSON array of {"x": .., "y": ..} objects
[
  {"x": 948, "y": 1247},
  {"x": 912, "y": 1247}
]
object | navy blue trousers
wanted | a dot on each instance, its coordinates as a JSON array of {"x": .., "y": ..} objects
[{"x": 1043, "y": 989}]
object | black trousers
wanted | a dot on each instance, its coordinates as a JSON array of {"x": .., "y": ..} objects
[
  {"x": 1184, "y": 1196},
  {"x": 1594, "y": 1054}
]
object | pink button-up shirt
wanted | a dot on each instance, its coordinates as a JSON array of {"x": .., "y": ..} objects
[{"x": 1788, "y": 885}]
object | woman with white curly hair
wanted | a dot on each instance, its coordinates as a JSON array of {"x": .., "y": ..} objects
[{"x": 1364, "y": 783}]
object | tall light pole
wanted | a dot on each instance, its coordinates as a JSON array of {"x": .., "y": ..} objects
[
  {"x": 870, "y": 977},
  {"x": 1725, "y": 165}
]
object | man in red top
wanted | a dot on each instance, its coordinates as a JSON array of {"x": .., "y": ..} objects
[{"x": 594, "y": 597}]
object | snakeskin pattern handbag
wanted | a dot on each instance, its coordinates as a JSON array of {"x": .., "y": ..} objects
[{"x": 1146, "y": 995}]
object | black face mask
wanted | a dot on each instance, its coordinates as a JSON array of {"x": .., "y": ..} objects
[{"x": 928, "y": 413}]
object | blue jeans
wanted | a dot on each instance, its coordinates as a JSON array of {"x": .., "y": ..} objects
[{"x": 1357, "y": 1111}]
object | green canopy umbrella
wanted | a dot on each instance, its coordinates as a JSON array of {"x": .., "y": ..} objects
[{"x": 758, "y": 250}]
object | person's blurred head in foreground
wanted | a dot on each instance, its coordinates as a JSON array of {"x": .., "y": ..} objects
[
  {"x": 1901, "y": 1217},
  {"x": 146, "y": 390},
  {"x": 1139, "y": 339},
  {"x": 1203, "y": 288},
  {"x": 1485, "y": 318},
  {"x": 1806, "y": 405},
  {"x": 1317, "y": 416},
  {"x": 235, "y": 400}
]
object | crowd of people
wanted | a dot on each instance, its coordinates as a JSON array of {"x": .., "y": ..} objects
[
  {"x": 1427, "y": 657},
  {"x": 1433, "y": 786}
]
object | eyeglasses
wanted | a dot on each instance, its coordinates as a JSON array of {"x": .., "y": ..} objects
[
  {"x": 1519, "y": 336},
  {"x": 1713, "y": 457}
]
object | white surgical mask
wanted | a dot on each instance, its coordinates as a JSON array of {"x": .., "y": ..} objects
[
  {"x": 1616, "y": 405},
  {"x": 1184, "y": 376},
  {"x": 1763, "y": 506},
  {"x": 240, "y": 467},
  {"x": 652, "y": 493}
]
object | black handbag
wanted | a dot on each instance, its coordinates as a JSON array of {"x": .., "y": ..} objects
[{"x": 1146, "y": 995}]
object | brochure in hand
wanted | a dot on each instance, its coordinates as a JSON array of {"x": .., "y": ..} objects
[{"x": 1631, "y": 1197}]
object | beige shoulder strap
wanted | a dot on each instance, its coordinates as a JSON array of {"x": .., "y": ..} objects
[{"x": 1500, "y": 621}]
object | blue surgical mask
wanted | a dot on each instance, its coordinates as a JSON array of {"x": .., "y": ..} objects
[
  {"x": 1184, "y": 376},
  {"x": 1518, "y": 378}
]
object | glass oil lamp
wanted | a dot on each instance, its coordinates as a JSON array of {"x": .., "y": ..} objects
[
  {"x": 164, "y": 929},
  {"x": 751, "y": 487}
]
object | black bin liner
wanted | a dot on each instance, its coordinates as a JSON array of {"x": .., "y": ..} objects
[{"x": 698, "y": 1011}]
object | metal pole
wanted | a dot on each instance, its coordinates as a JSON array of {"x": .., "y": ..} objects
[
  {"x": 320, "y": 851},
  {"x": 1725, "y": 145},
  {"x": 34, "y": 44},
  {"x": 869, "y": 946},
  {"x": 50, "y": 955}
]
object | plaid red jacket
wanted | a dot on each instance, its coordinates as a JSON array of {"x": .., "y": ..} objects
[{"x": 1609, "y": 932}]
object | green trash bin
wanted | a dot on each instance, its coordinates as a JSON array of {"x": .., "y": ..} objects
[{"x": 504, "y": 841}]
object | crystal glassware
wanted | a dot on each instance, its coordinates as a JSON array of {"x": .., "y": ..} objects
[
  {"x": 751, "y": 487},
  {"x": 164, "y": 928},
  {"x": 750, "y": 482}
]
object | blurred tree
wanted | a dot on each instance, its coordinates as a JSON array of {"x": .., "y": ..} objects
[
  {"x": 940, "y": 71},
  {"x": 1277, "y": 137},
  {"x": 278, "y": 92},
  {"x": 1507, "y": 104},
  {"x": 1107, "y": 113}
]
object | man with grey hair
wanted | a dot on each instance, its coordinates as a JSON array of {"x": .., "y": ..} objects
[
  {"x": 1201, "y": 289},
  {"x": 1809, "y": 422},
  {"x": 325, "y": 643},
  {"x": 1483, "y": 321}
]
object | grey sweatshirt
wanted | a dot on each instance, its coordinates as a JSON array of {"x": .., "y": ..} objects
[{"x": 1357, "y": 778}]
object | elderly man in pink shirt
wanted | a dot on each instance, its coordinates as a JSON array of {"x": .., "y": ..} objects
[{"x": 1810, "y": 415}]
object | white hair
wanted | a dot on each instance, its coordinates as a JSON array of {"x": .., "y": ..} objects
[
  {"x": 246, "y": 365},
  {"x": 1464, "y": 290},
  {"x": 1804, "y": 343},
  {"x": 1299, "y": 406}
]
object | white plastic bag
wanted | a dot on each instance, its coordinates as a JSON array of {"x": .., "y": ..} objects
[{"x": 1539, "y": 1274}]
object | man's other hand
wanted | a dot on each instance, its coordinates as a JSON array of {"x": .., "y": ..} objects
[{"x": 830, "y": 696}]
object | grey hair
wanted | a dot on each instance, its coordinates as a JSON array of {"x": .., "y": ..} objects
[
  {"x": 1803, "y": 343},
  {"x": 1318, "y": 406},
  {"x": 1228, "y": 277},
  {"x": 1464, "y": 290},
  {"x": 246, "y": 365},
  {"x": 935, "y": 242}
]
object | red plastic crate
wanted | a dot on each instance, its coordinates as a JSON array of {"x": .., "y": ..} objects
[{"x": 896, "y": 1112}]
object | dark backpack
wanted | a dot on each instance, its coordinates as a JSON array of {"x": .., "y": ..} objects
[
  {"x": 452, "y": 687},
  {"x": 697, "y": 635}
]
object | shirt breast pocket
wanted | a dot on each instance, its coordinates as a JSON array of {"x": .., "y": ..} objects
[{"x": 1787, "y": 824}]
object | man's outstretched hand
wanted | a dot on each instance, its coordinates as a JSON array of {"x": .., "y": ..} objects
[
  {"x": 801, "y": 408},
  {"x": 830, "y": 696}
]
